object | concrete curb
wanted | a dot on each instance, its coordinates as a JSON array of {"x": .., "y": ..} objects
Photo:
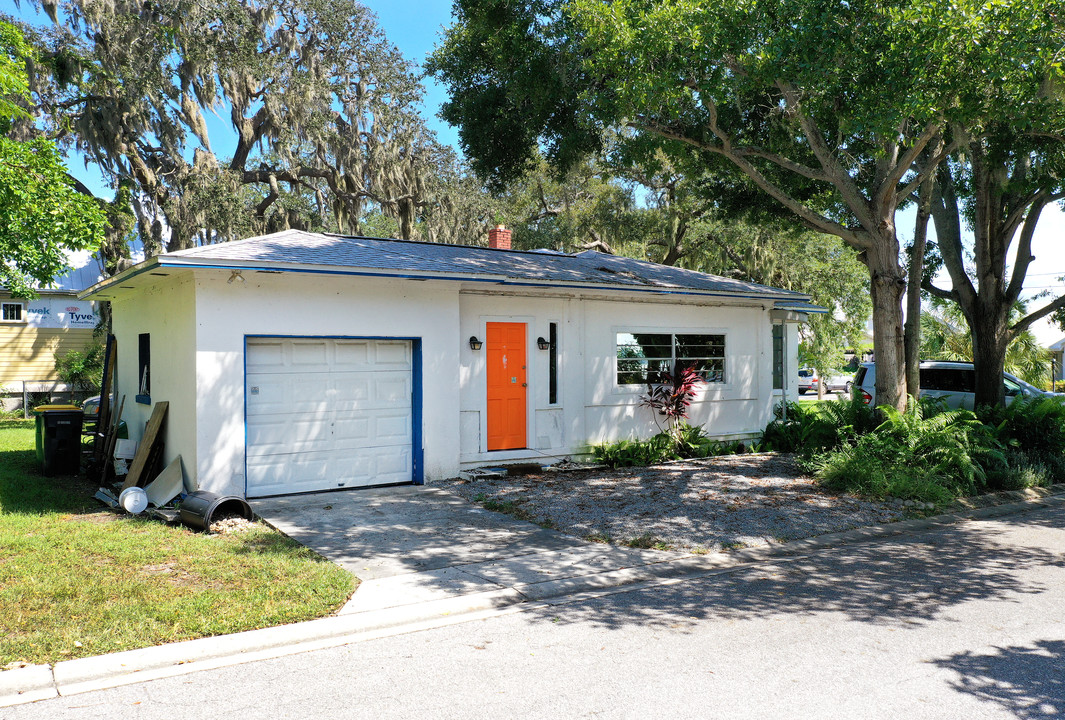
[{"x": 38, "y": 682}]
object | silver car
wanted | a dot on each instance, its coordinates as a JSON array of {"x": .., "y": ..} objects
[{"x": 953, "y": 382}]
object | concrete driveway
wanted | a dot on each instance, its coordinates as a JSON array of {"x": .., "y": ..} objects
[{"x": 413, "y": 544}]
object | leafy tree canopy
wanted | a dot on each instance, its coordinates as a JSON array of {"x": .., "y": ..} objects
[
  {"x": 322, "y": 114},
  {"x": 825, "y": 105},
  {"x": 42, "y": 215}
]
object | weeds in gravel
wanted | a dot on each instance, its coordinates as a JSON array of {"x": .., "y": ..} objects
[
  {"x": 647, "y": 541},
  {"x": 514, "y": 509},
  {"x": 599, "y": 537}
]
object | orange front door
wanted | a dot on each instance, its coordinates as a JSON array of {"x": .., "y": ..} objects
[{"x": 506, "y": 385}]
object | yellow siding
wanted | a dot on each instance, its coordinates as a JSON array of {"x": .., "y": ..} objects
[{"x": 28, "y": 353}]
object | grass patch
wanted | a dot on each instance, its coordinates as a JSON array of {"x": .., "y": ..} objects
[{"x": 77, "y": 581}]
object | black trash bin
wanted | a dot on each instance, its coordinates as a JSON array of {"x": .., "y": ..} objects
[{"x": 59, "y": 439}]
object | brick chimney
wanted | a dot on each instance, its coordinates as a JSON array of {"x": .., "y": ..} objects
[{"x": 499, "y": 238}]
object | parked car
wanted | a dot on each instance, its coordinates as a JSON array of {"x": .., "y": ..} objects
[
  {"x": 837, "y": 383},
  {"x": 91, "y": 407},
  {"x": 807, "y": 380},
  {"x": 954, "y": 382}
]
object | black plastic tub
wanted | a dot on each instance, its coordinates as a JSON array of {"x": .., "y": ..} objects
[{"x": 201, "y": 508}]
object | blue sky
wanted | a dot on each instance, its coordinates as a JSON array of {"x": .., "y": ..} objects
[{"x": 414, "y": 26}]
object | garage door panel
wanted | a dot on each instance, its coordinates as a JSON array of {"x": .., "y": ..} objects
[
  {"x": 301, "y": 472},
  {"x": 324, "y": 414},
  {"x": 391, "y": 353},
  {"x": 394, "y": 430},
  {"x": 391, "y": 390},
  {"x": 268, "y": 354},
  {"x": 352, "y": 354},
  {"x": 291, "y": 433},
  {"x": 270, "y": 393},
  {"x": 309, "y": 355}
]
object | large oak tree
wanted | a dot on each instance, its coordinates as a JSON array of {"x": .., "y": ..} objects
[
  {"x": 317, "y": 113},
  {"x": 825, "y": 105}
]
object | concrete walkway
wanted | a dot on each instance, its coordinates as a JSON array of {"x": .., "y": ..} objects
[{"x": 416, "y": 544}]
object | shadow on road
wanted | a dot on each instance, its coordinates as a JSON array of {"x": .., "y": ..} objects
[
  {"x": 901, "y": 582},
  {"x": 1029, "y": 682}
]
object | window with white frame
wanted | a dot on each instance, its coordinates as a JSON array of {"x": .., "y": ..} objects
[
  {"x": 12, "y": 312},
  {"x": 643, "y": 357}
]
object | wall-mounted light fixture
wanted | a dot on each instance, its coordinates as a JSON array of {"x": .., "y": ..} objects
[
  {"x": 235, "y": 276},
  {"x": 543, "y": 344},
  {"x": 475, "y": 344}
]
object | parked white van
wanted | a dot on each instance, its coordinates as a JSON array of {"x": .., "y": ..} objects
[{"x": 954, "y": 382}]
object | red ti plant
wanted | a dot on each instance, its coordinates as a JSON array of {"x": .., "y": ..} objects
[{"x": 672, "y": 395}]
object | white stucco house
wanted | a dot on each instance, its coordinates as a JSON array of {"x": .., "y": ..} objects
[{"x": 299, "y": 362}]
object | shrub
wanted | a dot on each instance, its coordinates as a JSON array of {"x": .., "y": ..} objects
[
  {"x": 813, "y": 428},
  {"x": 923, "y": 454},
  {"x": 672, "y": 396},
  {"x": 629, "y": 453},
  {"x": 82, "y": 370},
  {"x": 686, "y": 442},
  {"x": 1031, "y": 424}
]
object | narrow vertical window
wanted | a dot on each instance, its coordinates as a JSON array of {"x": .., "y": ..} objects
[
  {"x": 552, "y": 365},
  {"x": 144, "y": 369},
  {"x": 778, "y": 357}
]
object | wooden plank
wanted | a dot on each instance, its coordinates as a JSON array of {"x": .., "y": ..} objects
[
  {"x": 109, "y": 442},
  {"x": 144, "y": 450},
  {"x": 103, "y": 417}
]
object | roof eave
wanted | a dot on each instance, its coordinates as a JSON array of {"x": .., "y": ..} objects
[{"x": 184, "y": 262}]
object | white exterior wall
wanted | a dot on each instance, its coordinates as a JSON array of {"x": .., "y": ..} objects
[
  {"x": 199, "y": 328},
  {"x": 167, "y": 311},
  {"x": 591, "y": 407},
  {"x": 318, "y": 306}
]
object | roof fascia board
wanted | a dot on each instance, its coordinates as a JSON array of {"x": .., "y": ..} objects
[{"x": 124, "y": 276}]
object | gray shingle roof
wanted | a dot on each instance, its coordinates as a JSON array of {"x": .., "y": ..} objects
[{"x": 296, "y": 247}]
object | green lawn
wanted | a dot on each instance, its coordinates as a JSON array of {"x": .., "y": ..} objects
[{"x": 78, "y": 580}]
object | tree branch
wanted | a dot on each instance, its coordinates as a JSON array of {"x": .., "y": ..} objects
[
  {"x": 814, "y": 220},
  {"x": 1024, "y": 249},
  {"x": 1026, "y": 322}
]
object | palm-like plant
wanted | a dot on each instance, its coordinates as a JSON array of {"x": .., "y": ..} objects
[
  {"x": 671, "y": 397},
  {"x": 946, "y": 336}
]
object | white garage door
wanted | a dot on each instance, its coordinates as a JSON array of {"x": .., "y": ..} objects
[{"x": 326, "y": 414}]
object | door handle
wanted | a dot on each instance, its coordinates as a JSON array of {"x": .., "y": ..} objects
[{"x": 525, "y": 384}]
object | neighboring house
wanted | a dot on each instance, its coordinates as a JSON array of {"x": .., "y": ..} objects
[
  {"x": 1057, "y": 358},
  {"x": 34, "y": 332},
  {"x": 299, "y": 362}
]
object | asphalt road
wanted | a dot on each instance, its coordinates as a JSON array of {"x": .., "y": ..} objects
[{"x": 965, "y": 622}]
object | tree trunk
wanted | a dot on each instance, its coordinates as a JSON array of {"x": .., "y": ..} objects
[
  {"x": 887, "y": 283},
  {"x": 991, "y": 337},
  {"x": 912, "y": 330}
]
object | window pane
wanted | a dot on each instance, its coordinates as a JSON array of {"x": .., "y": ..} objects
[
  {"x": 12, "y": 311},
  {"x": 778, "y": 357},
  {"x": 700, "y": 346},
  {"x": 644, "y": 345},
  {"x": 712, "y": 370}
]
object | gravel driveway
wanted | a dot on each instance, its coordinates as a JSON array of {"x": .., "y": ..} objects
[{"x": 713, "y": 504}]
